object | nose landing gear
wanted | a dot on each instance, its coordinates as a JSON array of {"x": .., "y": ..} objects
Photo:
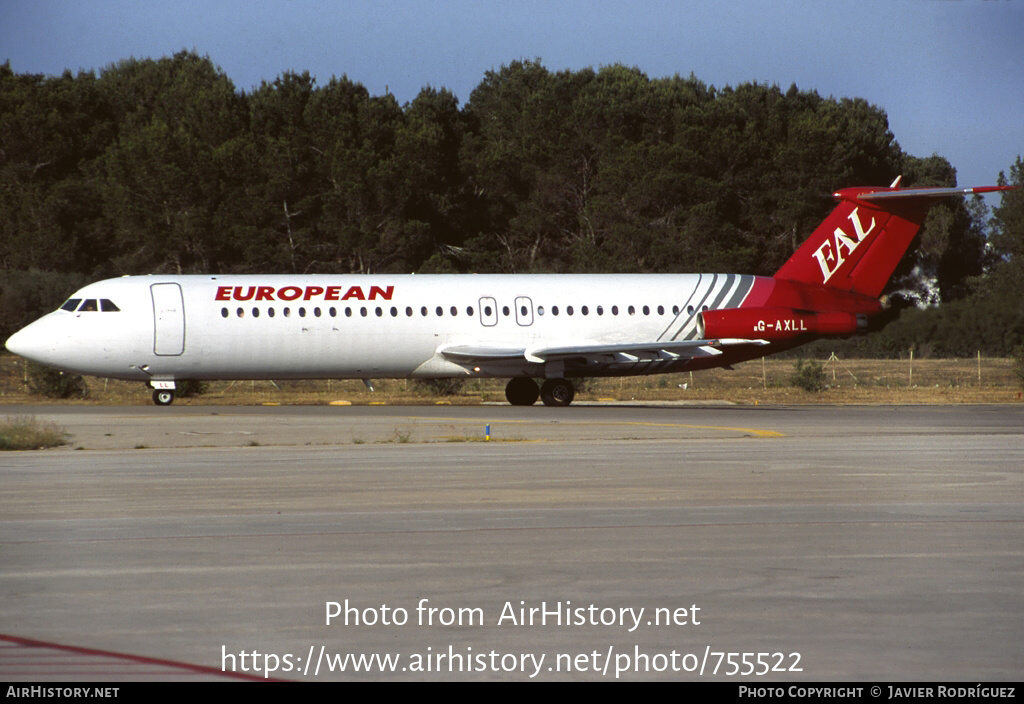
[
  {"x": 163, "y": 392},
  {"x": 163, "y": 397}
]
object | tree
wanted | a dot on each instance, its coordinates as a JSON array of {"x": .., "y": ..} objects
[
  {"x": 50, "y": 215},
  {"x": 1008, "y": 219},
  {"x": 950, "y": 250},
  {"x": 280, "y": 225},
  {"x": 161, "y": 180}
]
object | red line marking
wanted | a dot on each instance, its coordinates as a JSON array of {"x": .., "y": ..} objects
[{"x": 135, "y": 659}]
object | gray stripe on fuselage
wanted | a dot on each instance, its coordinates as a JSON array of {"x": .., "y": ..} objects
[
  {"x": 729, "y": 280},
  {"x": 682, "y": 314},
  {"x": 743, "y": 286},
  {"x": 689, "y": 326},
  {"x": 719, "y": 294},
  {"x": 736, "y": 285}
]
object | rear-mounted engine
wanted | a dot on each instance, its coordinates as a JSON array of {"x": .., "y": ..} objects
[{"x": 776, "y": 323}]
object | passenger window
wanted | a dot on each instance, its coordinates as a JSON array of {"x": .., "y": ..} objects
[
  {"x": 270, "y": 312},
  {"x": 107, "y": 306},
  {"x": 423, "y": 311},
  {"x": 554, "y": 310},
  {"x": 631, "y": 310},
  {"x": 455, "y": 311},
  {"x": 615, "y": 310},
  {"x": 240, "y": 313},
  {"x": 504, "y": 311},
  {"x": 379, "y": 311},
  {"x": 600, "y": 310},
  {"x": 661, "y": 310},
  {"x": 540, "y": 310},
  {"x": 647, "y": 310},
  {"x": 287, "y": 312},
  {"x": 334, "y": 312},
  {"x": 223, "y": 312},
  {"x": 469, "y": 311},
  {"x": 689, "y": 310},
  {"x": 362, "y": 311},
  {"x": 408, "y": 311},
  {"x": 394, "y": 312},
  {"x": 302, "y": 312},
  {"x": 585, "y": 310},
  {"x": 439, "y": 311},
  {"x": 568, "y": 310},
  {"x": 71, "y": 305},
  {"x": 255, "y": 312}
]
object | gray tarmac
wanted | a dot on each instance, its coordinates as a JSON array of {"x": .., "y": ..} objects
[{"x": 762, "y": 544}]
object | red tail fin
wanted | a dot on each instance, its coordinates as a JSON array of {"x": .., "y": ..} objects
[{"x": 859, "y": 244}]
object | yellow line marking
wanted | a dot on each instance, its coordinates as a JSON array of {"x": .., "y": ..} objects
[{"x": 757, "y": 432}]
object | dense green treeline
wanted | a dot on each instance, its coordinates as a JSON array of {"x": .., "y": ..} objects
[{"x": 162, "y": 165}]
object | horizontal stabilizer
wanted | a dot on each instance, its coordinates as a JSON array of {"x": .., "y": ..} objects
[{"x": 934, "y": 193}]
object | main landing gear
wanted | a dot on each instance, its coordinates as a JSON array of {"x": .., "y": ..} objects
[
  {"x": 557, "y": 392},
  {"x": 521, "y": 391}
]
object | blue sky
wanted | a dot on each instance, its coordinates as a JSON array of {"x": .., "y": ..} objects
[{"x": 949, "y": 73}]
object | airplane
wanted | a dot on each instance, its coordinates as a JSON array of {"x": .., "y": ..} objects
[{"x": 162, "y": 329}]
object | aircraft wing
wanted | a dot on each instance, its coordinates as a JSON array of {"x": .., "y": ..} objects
[{"x": 663, "y": 349}]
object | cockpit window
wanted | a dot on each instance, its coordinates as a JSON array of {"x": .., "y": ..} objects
[{"x": 90, "y": 305}]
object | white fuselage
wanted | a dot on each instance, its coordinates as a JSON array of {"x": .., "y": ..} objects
[{"x": 362, "y": 326}]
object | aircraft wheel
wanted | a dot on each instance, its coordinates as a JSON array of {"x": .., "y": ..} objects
[
  {"x": 521, "y": 391},
  {"x": 557, "y": 392},
  {"x": 163, "y": 397}
]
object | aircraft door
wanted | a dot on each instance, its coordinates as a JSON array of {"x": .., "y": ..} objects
[
  {"x": 524, "y": 311},
  {"x": 168, "y": 319},
  {"x": 488, "y": 312}
]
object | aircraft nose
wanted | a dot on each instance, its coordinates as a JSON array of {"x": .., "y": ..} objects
[
  {"x": 28, "y": 343},
  {"x": 17, "y": 343}
]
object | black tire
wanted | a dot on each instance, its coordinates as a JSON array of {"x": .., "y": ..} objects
[
  {"x": 163, "y": 397},
  {"x": 557, "y": 392},
  {"x": 522, "y": 391}
]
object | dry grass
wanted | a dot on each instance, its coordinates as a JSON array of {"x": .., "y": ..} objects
[
  {"x": 28, "y": 433},
  {"x": 849, "y": 381}
]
